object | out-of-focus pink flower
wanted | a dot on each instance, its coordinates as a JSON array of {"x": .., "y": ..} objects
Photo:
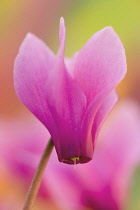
[
  {"x": 22, "y": 142},
  {"x": 7, "y": 205},
  {"x": 71, "y": 98}
]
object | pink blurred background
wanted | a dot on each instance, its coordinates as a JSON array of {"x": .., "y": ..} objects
[{"x": 41, "y": 17}]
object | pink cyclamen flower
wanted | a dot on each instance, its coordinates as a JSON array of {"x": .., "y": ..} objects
[{"x": 71, "y": 97}]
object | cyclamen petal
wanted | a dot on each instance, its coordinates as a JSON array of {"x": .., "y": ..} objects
[
  {"x": 67, "y": 103},
  {"x": 70, "y": 96},
  {"x": 101, "y": 62},
  {"x": 32, "y": 66},
  {"x": 103, "y": 111}
]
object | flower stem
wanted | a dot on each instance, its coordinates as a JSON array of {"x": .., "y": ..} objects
[{"x": 33, "y": 190}]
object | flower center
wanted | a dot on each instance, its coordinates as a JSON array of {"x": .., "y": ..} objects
[{"x": 75, "y": 159}]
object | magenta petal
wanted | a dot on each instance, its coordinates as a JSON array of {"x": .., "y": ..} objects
[
  {"x": 32, "y": 67},
  {"x": 100, "y": 64},
  {"x": 67, "y": 104},
  {"x": 96, "y": 112},
  {"x": 103, "y": 111},
  {"x": 87, "y": 123}
]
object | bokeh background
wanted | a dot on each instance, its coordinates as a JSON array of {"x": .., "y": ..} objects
[{"x": 83, "y": 18}]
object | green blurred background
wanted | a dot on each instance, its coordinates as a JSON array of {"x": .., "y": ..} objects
[{"x": 83, "y": 18}]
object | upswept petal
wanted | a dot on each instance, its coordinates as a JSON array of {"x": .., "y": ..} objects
[
  {"x": 100, "y": 64},
  {"x": 67, "y": 104},
  {"x": 32, "y": 66},
  {"x": 103, "y": 111}
]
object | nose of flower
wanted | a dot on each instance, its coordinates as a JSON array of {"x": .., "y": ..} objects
[
  {"x": 62, "y": 35},
  {"x": 62, "y": 31}
]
